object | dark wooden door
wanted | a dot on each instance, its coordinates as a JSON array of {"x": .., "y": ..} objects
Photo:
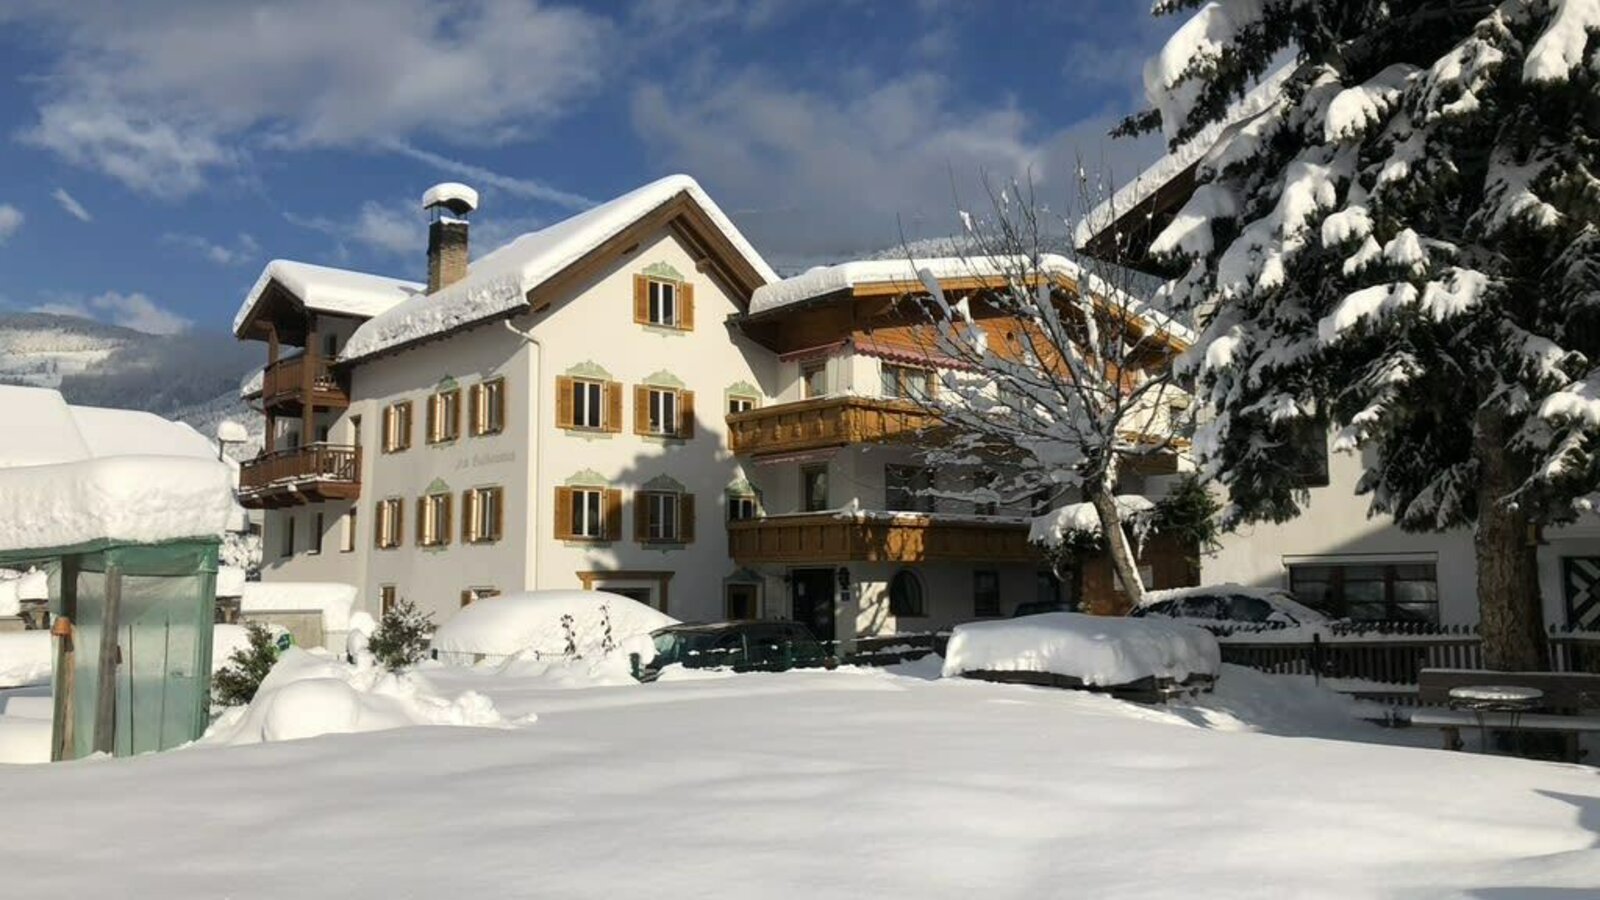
[{"x": 811, "y": 600}]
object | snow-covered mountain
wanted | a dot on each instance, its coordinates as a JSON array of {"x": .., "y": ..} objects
[{"x": 191, "y": 377}]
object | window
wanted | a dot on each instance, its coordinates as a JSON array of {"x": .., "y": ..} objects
[
  {"x": 742, "y": 601},
  {"x": 985, "y": 592},
  {"x": 388, "y": 533},
  {"x": 588, "y": 514},
  {"x": 814, "y": 488},
  {"x": 484, "y": 515},
  {"x": 741, "y": 507},
  {"x": 906, "y": 488},
  {"x": 988, "y": 503},
  {"x": 347, "y": 543},
  {"x": 330, "y": 346},
  {"x": 444, "y": 417},
  {"x": 663, "y": 303},
  {"x": 477, "y": 593},
  {"x": 386, "y": 599},
  {"x": 1369, "y": 591},
  {"x": 905, "y": 595},
  {"x": 588, "y": 517},
  {"x": 315, "y": 545},
  {"x": 663, "y": 517},
  {"x": 488, "y": 407},
  {"x": 738, "y": 403},
  {"x": 664, "y": 412},
  {"x": 588, "y": 410},
  {"x": 1308, "y": 454},
  {"x": 433, "y": 520},
  {"x": 907, "y": 382},
  {"x": 288, "y": 536},
  {"x": 397, "y": 427},
  {"x": 814, "y": 378}
]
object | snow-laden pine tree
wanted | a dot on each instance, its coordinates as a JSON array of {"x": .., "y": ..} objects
[
  {"x": 1401, "y": 247},
  {"x": 1058, "y": 381}
]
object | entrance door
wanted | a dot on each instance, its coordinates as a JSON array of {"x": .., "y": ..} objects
[
  {"x": 1580, "y": 579},
  {"x": 811, "y": 599}
]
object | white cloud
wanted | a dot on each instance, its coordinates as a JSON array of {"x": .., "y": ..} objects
[
  {"x": 135, "y": 311},
  {"x": 159, "y": 93},
  {"x": 10, "y": 220},
  {"x": 71, "y": 205},
  {"x": 243, "y": 249},
  {"x": 393, "y": 229},
  {"x": 814, "y": 174}
]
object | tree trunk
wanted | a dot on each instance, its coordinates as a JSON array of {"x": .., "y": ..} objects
[
  {"x": 1509, "y": 607},
  {"x": 1117, "y": 546}
]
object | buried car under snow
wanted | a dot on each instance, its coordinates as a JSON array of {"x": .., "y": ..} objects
[
  {"x": 744, "y": 646},
  {"x": 546, "y": 625},
  {"x": 1229, "y": 606},
  {"x": 1144, "y": 659}
]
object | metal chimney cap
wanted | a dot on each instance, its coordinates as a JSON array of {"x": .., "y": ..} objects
[{"x": 454, "y": 196}]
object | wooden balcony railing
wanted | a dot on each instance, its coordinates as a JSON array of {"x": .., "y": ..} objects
[
  {"x": 826, "y": 422},
  {"x": 878, "y": 537},
  {"x": 283, "y": 385},
  {"x": 310, "y": 474}
]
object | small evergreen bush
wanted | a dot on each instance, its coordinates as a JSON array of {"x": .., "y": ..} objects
[
  {"x": 401, "y": 639},
  {"x": 237, "y": 683}
]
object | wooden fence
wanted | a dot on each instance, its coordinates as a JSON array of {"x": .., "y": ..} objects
[{"x": 1371, "y": 656}]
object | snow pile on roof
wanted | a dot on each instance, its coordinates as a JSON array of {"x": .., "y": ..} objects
[
  {"x": 499, "y": 283},
  {"x": 130, "y": 499},
  {"x": 26, "y": 657},
  {"x": 1102, "y": 651},
  {"x": 131, "y": 432},
  {"x": 1191, "y": 151},
  {"x": 16, "y": 587},
  {"x": 339, "y": 292},
  {"x": 531, "y": 622},
  {"x": 310, "y": 693},
  {"x": 1054, "y": 526},
  {"x": 450, "y": 193},
  {"x": 332, "y": 598}
]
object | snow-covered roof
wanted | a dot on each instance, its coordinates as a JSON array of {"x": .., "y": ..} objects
[
  {"x": 333, "y": 599},
  {"x": 909, "y": 275},
  {"x": 1168, "y": 167},
  {"x": 339, "y": 292},
  {"x": 499, "y": 283},
  {"x": 79, "y": 474}
]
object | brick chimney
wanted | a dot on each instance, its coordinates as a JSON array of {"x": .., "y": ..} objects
[{"x": 448, "y": 205}]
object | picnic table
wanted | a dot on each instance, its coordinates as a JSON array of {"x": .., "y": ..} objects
[
  {"x": 1548, "y": 702},
  {"x": 1482, "y": 699}
]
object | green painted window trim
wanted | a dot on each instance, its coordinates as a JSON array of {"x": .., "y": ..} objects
[
  {"x": 664, "y": 484},
  {"x": 663, "y": 271},
  {"x": 438, "y": 486},
  {"x": 587, "y": 478},
  {"x": 589, "y": 369},
  {"x": 663, "y": 378}
]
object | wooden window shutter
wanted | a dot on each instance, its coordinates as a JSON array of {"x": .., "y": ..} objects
[
  {"x": 399, "y": 522},
  {"x": 434, "y": 402},
  {"x": 686, "y": 518},
  {"x": 388, "y": 429},
  {"x": 466, "y": 597},
  {"x": 641, "y": 409},
  {"x": 686, "y": 414},
  {"x": 422, "y": 520},
  {"x": 447, "y": 527},
  {"x": 499, "y": 513},
  {"x": 641, "y": 516},
  {"x": 564, "y": 411},
  {"x": 497, "y": 400},
  {"x": 613, "y": 421},
  {"x": 686, "y": 306},
  {"x": 564, "y": 513},
  {"x": 403, "y": 425},
  {"x": 611, "y": 521},
  {"x": 378, "y": 520},
  {"x": 475, "y": 410},
  {"x": 468, "y": 516},
  {"x": 455, "y": 418},
  {"x": 641, "y": 299}
]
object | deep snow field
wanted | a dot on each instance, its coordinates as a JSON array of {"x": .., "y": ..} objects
[{"x": 857, "y": 783}]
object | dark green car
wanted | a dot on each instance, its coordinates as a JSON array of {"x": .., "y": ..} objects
[{"x": 753, "y": 646}]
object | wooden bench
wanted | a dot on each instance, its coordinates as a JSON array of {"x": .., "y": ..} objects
[{"x": 1567, "y": 695}]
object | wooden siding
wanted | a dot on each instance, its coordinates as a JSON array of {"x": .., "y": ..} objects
[
  {"x": 824, "y": 537},
  {"x": 826, "y": 422},
  {"x": 310, "y": 474}
]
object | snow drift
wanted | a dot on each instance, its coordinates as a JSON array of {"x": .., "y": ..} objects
[
  {"x": 1101, "y": 651},
  {"x": 531, "y": 623},
  {"x": 311, "y": 693}
]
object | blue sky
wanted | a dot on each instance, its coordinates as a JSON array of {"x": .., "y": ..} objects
[{"x": 157, "y": 152}]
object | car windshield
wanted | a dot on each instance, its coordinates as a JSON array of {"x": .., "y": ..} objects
[{"x": 676, "y": 646}]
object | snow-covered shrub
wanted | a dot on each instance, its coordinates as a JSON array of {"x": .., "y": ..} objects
[
  {"x": 402, "y": 636},
  {"x": 236, "y": 683}
]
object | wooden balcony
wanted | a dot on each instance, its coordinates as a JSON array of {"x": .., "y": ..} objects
[
  {"x": 878, "y": 537},
  {"x": 826, "y": 422},
  {"x": 310, "y": 474},
  {"x": 284, "y": 386}
]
